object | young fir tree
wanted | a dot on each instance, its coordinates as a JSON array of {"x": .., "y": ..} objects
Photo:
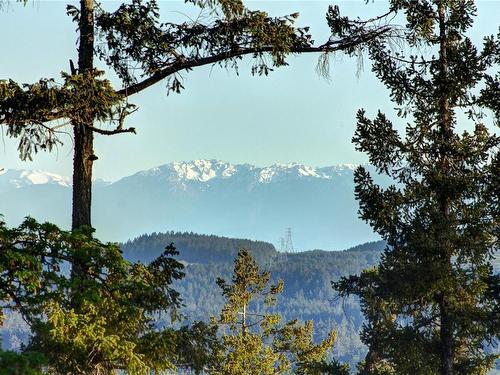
[
  {"x": 254, "y": 342},
  {"x": 432, "y": 305}
]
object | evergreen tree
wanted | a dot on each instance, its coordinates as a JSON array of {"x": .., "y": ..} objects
[
  {"x": 253, "y": 341},
  {"x": 432, "y": 305},
  {"x": 99, "y": 323},
  {"x": 87, "y": 314}
]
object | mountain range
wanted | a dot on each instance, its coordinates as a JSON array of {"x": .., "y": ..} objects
[{"x": 204, "y": 196}]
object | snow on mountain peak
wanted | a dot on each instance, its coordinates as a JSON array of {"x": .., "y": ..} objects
[
  {"x": 204, "y": 170},
  {"x": 352, "y": 167},
  {"x": 308, "y": 171},
  {"x": 200, "y": 170},
  {"x": 279, "y": 170},
  {"x": 40, "y": 178},
  {"x": 16, "y": 178},
  {"x": 229, "y": 171},
  {"x": 266, "y": 174}
]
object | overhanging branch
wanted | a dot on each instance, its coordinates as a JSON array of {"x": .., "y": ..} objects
[{"x": 331, "y": 46}]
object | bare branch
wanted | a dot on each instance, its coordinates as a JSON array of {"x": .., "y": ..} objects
[{"x": 111, "y": 132}]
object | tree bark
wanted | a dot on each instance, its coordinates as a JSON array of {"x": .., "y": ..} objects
[
  {"x": 83, "y": 136},
  {"x": 446, "y": 336},
  {"x": 83, "y": 157},
  {"x": 82, "y": 176}
]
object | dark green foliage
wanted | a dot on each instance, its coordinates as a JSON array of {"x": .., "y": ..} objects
[
  {"x": 29, "y": 262},
  {"x": 134, "y": 36},
  {"x": 430, "y": 305},
  {"x": 24, "y": 107},
  {"x": 307, "y": 295},
  {"x": 256, "y": 342},
  {"x": 12, "y": 363},
  {"x": 102, "y": 319},
  {"x": 143, "y": 51},
  {"x": 369, "y": 246},
  {"x": 194, "y": 248}
]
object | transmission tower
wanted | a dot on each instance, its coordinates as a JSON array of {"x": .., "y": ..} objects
[
  {"x": 285, "y": 246},
  {"x": 288, "y": 241}
]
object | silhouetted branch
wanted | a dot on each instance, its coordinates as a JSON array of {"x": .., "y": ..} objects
[{"x": 331, "y": 46}]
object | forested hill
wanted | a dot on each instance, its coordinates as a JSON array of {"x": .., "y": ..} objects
[
  {"x": 203, "y": 248},
  {"x": 307, "y": 277},
  {"x": 195, "y": 248}
]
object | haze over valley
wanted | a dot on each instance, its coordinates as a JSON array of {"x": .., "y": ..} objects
[{"x": 205, "y": 196}]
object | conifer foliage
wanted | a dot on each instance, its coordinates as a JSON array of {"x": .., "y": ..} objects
[
  {"x": 254, "y": 341},
  {"x": 95, "y": 324},
  {"x": 432, "y": 305}
]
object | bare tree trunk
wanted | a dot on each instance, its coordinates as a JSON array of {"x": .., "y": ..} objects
[
  {"x": 83, "y": 137},
  {"x": 82, "y": 176},
  {"x": 83, "y": 156}
]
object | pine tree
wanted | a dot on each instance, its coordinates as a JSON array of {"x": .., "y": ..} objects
[
  {"x": 432, "y": 305},
  {"x": 253, "y": 340}
]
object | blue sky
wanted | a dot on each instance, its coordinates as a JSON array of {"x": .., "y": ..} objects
[{"x": 293, "y": 115}]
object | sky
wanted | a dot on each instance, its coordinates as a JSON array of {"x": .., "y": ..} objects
[{"x": 292, "y": 115}]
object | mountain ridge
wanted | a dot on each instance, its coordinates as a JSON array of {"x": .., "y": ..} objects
[
  {"x": 201, "y": 170},
  {"x": 205, "y": 196}
]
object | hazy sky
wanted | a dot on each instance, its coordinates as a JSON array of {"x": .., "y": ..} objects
[{"x": 293, "y": 115}]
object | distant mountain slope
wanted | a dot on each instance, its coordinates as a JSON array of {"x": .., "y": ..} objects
[
  {"x": 195, "y": 248},
  {"x": 307, "y": 277},
  {"x": 204, "y": 196},
  {"x": 11, "y": 179}
]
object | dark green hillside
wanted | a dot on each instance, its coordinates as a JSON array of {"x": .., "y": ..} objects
[
  {"x": 195, "y": 248},
  {"x": 307, "y": 276},
  {"x": 376, "y": 246}
]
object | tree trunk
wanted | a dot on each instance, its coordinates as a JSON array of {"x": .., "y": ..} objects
[
  {"x": 83, "y": 137},
  {"x": 446, "y": 336},
  {"x": 445, "y": 125},
  {"x": 82, "y": 176},
  {"x": 83, "y": 156}
]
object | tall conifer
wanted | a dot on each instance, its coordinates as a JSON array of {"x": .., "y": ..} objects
[
  {"x": 142, "y": 50},
  {"x": 432, "y": 303}
]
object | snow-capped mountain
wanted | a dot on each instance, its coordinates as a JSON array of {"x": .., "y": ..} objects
[
  {"x": 14, "y": 179},
  {"x": 18, "y": 178},
  {"x": 195, "y": 171},
  {"x": 204, "y": 196},
  {"x": 207, "y": 170}
]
